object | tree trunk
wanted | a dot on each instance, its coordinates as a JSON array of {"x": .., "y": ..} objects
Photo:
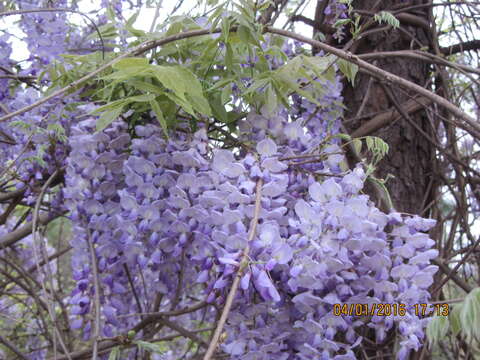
[{"x": 410, "y": 158}]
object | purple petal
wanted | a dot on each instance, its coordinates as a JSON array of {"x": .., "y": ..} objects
[{"x": 267, "y": 147}]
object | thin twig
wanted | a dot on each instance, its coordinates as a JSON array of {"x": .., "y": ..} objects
[
  {"x": 169, "y": 313},
  {"x": 233, "y": 290},
  {"x": 460, "y": 263},
  {"x": 36, "y": 211},
  {"x": 134, "y": 291},
  {"x": 96, "y": 288}
]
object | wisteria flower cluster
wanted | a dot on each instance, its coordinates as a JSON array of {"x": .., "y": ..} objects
[{"x": 170, "y": 219}]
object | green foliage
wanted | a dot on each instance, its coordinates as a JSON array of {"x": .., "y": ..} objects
[
  {"x": 463, "y": 320},
  {"x": 380, "y": 184},
  {"x": 74, "y": 67},
  {"x": 157, "y": 348},
  {"x": 202, "y": 88},
  {"x": 388, "y": 18},
  {"x": 115, "y": 353},
  {"x": 129, "y": 27},
  {"x": 348, "y": 69},
  {"x": 107, "y": 32},
  {"x": 159, "y": 114},
  {"x": 357, "y": 145},
  {"x": 437, "y": 329},
  {"x": 112, "y": 111},
  {"x": 377, "y": 147},
  {"x": 58, "y": 130},
  {"x": 470, "y": 315},
  {"x": 6, "y": 5},
  {"x": 454, "y": 319}
]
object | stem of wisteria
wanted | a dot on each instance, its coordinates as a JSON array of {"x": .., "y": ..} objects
[
  {"x": 36, "y": 211},
  {"x": 233, "y": 290},
  {"x": 96, "y": 284}
]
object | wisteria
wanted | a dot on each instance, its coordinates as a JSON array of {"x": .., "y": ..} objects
[{"x": 174, "y": 213}]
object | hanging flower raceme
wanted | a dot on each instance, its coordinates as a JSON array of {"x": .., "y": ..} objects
[{"x": 170, "y": 219}]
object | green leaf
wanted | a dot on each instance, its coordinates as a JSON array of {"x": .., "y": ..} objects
[
  {"x": 200, "y": 103},
  {"x": 122, "y": 102},
  {"x": 218, "y": 109},
  {"x": 343, "y": 136},
  {"x": 146, "y": 87},
  {"x": 108, "y": 117},
  {"x": 385, "y": 194},
  {"x": 226, "y": 25},
  {"x": 221, "y": 83},
  {"x": 110, "y": 13},
  {"x": 129, "y": 26},
  {"x": 470, "y": 314},
  {"x": 229, "y": 56},
  {"x": 169, "y": 110},
  {"x": 130, "y": 62},
  {"x": 377, "y": 147},
  {"x": 454, "y": 317},
  {"x": 155, "y": 348},
  {"x": 185, "y": 85},
  {"x": 158, "y": 113},
  {"x": 369, "y": 140},
  {"x": 245, "y": 35},
  {"x": 341, "y": 22},
  {"x": 182, "y": 102},
  {"x": 108, "y": 31},
  {"x": 265, "y": 5},
  {"x": 271, "y": 100},
  {"x": 174, "y": 28},
  {"x": 388, "y": 18},
  {"x": 113, "y": 110},
  {"x": 169, "y": 77},
  {"x": 114, "y": 354},
  {"x": 357, "y": 145},
  {"x": 437, "y": 329},
  {"x": 226, "y": 94},
  {"x": 348, "y": 69},
  {"x": 257, "y": 85},
  {"x": 140, "y": 98},
  {"x": 216, "y": 17},
  {"x": 318, "y": 64},
  {"x": 127, "y": 73}
]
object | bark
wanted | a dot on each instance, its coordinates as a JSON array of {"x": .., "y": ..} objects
[{"x": 411, "y": 157}]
